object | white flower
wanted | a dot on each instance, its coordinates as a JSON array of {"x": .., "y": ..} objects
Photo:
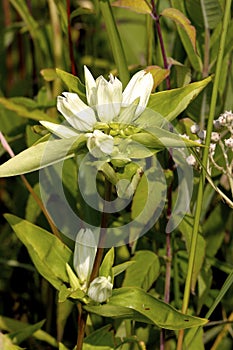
[
  {"x": 212, "y": 149},
  {"x": 191, "y": 160},
  {"x": 106, "y": 103},
  {"x": 99, "y": 144},
  {"x": 84, "y": 254},
  {"x": 140, "y": 86},
  {"x": 76, "y": 112},
  {"x": 194, "y": 128},
  {"x": 100, "y": 289},
  {"x": 229, "y": 142},
  {"x": 215, "y": 137}
]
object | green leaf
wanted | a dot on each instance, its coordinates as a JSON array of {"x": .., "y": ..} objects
[
  {"x": 133, "y": 5},
  {"x": 156, "y": 138},
  {"x": 118, "y": 269},
  {"x": 138, "y": 302},
  {"x": 178, "y": 17},
  {"x": 106, "y": 266},
  {"x": 158, "y": 73},
  {"x": 41, "y": 155},
  {"x": 49, "y": 74},
  {"x": 193, "y": 57},
  {"x": 25, "y": 112},
  {"x": 11, "y": 325},
  {"x": 47, "y": 252},
  {"x": 6, "y": 343},
  {"x": 63, "y": 311},
  {"x": 171, "y": 103},
  {"x": 22, "y": 334},
  {"x": 72, "y": 83},
  {"x": 116, "y": 311},
  {"x": 194, "y": 339},
  {"x": 102, "y": 339},
  {"x": 144, "y": 272},
  {"x": 62, "y": 347},
  {"x": 145, "y": 206},
  {"x": 209, "y": 16}
]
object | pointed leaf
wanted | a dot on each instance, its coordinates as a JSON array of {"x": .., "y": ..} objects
[
  {"x": 156, "y": 311},
  {"x": 47, "y": 252},
  {"x": 11, "y": 325},
  {"x": 193, "y": 56},
  {"x": 211, "y": 16},
  {"x": 72, "y": 83},
  {"x": 158, "y": 73},
  {"x": 102, "y": 338},
  {"x": 144, "y": 272},
  {"x": 133, "y": 5},
  {"x": 171, "y": 103},
  {"x": 118, "y": 269},
  {"x": 24, "y": 112},
  {"x": 41, "y": 155},
  {"x": 6, "y": 343},
  {"x": 22, "y": 334},
  {"x": 178, "y": 17},
  {"x": 106, "y": 266}
]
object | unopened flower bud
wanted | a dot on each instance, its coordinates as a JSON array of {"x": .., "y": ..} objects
[
  {"x": 84, "y": 254},
  {"x": 100, "y": 289}
]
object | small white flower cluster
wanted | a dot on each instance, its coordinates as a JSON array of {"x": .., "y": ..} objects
[
  {"x": 225, "y": 121},
  {"x": 100, "y": 289},
  {"x": 219, "y": 138},
  {"x": 215, "y": 137}
]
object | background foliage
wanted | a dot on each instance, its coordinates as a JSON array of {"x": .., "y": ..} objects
[{"x": 39, "y": 36}]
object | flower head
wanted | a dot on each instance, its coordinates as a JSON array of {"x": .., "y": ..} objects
[
  {"x": 100, "y": 289},
  {"x": 106, "y": 103}
]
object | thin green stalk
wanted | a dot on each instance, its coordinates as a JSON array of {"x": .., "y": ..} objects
[
  {"x": 204, "y": 161},
  {"x": 115, "y": 41}
]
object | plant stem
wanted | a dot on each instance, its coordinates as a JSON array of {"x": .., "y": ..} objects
[
  {"x": 82, "y": 320},
  {"x": 155, "y": 16},
  {"x": 204, "y": 161}
]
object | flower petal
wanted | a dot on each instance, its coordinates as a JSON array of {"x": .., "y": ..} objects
[
  {"x": 76, "y": 112},
  {"x": 99, "y": 144},
  {"x": 84, "y": 254},
  {"x": 109, "y": 98},
  {"x": 90, "y": 87},
  {"x": 140, "y": 86},
  {"x": 60, "y": 130}
]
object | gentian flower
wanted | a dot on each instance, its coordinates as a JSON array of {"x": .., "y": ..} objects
[
  {"x": 106, "y": 104},
  {"x": 100, "y": 289},
  {"x": 84, "y": 255}
]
